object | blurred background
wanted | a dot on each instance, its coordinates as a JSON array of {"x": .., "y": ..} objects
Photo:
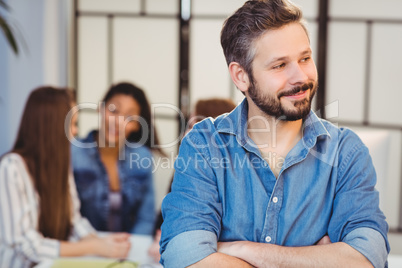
[{"x": 171, "y": 49}]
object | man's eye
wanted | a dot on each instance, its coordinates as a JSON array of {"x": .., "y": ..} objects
[
  {"x": 306, "y": 59},
  {"x": 279, "y": 66}
]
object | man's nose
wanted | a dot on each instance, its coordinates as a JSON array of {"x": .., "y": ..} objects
[{"x": 297, "y": 75}]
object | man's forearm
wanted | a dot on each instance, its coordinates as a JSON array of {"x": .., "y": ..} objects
[
  {"x": 220, "y": 260},
  {"x": 268, "y": 255}
]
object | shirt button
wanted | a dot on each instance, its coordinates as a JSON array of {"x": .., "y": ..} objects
[
  {"x": 268, "y": 239},
  {"x": 275, "y": 199}
]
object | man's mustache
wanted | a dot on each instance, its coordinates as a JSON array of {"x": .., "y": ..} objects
[{"x": 296, "y": 89}]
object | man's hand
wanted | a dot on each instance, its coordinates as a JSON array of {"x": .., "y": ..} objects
[
  {"x": 324, "y": 241},
  {"x": 323, "y": 254}
]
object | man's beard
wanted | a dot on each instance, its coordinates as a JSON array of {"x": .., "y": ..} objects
[{"x": 272, "y": 106}]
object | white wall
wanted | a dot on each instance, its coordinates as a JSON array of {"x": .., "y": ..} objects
[
  {"x": 42, "y": 25},
  {"x": 364, "y": 81}
]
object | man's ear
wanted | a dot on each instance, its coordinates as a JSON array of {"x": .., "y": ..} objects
[{"x": 239, "y": 76}]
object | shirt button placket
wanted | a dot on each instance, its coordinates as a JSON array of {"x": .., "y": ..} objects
[
  {"x": 272, "y": 216},
  {"x": 268, "y": 238}
]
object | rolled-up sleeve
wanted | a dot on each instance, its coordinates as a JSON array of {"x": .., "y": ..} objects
[
  {"x": 192, "y": 212},
  {"x": 199, "y": 244},
  {"x": 370, "y": 243},
  {"x": 357, "y": 218}
]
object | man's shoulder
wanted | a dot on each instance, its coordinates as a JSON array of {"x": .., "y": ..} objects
[
  {"x": 210, "y": 129},
  {"x": 344, "y": 137},
  {"x": 222, "y": 123},
  {"x": 206, "y": 127}
]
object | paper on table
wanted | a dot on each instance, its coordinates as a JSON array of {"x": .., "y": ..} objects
[{"x": 90, "y": 263}]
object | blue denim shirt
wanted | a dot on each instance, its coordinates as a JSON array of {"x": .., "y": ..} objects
[
  {"x": 136, "y": 186},
  {"x": 223, "y": 190}
]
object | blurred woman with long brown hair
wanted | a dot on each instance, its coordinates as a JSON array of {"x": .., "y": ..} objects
[{"x": 39, "y": 207}]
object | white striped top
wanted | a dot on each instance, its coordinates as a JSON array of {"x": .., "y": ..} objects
[
  {"x": 19, "y": 212},
  {"x": 11, "y": 258}
]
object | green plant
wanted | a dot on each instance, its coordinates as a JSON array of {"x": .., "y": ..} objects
[{"x": 5, "y": 27}]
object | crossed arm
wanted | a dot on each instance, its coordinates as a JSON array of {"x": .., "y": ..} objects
[{"x": 253, "y": 254}]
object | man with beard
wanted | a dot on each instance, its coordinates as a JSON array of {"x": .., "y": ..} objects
[{"x": 271, "y": 184}]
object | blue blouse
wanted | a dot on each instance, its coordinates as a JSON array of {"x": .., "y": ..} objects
[{"x": 136, "y": 186}]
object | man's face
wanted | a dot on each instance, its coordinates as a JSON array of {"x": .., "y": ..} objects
[{"x": 284, "y": 78}]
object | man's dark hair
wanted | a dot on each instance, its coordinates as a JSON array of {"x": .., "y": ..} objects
[{"x": 249, "y": 22}]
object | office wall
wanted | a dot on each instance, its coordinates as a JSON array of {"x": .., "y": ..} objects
[
  {"x": 41, "y": 28},
  {"x": 363, "y": 72}
]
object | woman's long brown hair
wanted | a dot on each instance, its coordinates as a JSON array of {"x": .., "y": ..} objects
[{"x": 43, "y": 144}]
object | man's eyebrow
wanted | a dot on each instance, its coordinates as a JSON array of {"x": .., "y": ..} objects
[
  {"x": 307, "y": 51},
  {"x": 277, "y": 59}
]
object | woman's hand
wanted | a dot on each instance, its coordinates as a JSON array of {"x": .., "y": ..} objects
[
  {"x": 115, "y": 245},
  {"x": 112, "y": 246}
]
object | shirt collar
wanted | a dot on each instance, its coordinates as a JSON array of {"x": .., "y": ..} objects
[
  {"x": 235, "y": 123},
  {"x": 313, "y": 128}
]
